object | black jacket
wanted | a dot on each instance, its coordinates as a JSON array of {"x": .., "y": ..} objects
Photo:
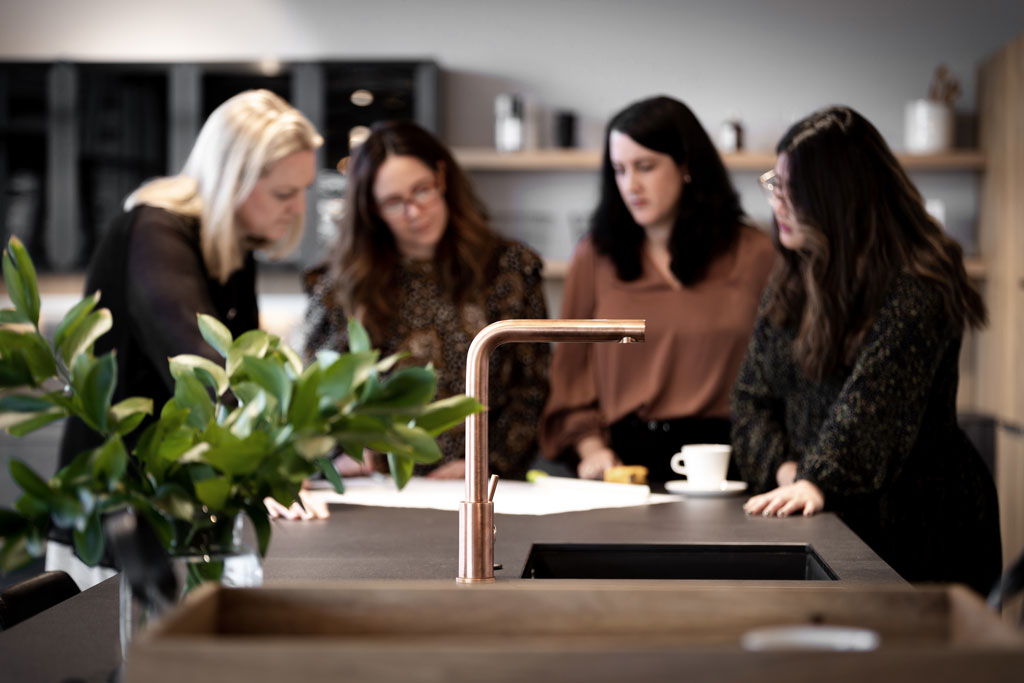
[{"x": 151, "y": 275}]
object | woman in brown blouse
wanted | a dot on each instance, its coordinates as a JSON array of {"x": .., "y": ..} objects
[
  {"x": 668, "y": 244},
  {"x": 846, "y": 400},
  {"x": 417, "y": 264}
]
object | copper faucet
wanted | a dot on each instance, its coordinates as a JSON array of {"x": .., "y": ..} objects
[{"x": 476, "y": 512}]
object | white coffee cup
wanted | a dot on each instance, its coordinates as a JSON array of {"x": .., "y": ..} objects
[{"x": 705, "y": 465}]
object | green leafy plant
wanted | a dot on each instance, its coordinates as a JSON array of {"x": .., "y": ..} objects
[{"x": 232, "y": 434}]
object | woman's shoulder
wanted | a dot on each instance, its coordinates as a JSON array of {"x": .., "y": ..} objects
[
  {"x": 755, "y": 244},
  {"x": 514, "y": 256},
  {"x": 145, "y": 218},
  {"x": 911, "y": 295}
]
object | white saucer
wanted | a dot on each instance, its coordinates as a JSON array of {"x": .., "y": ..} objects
[{"x": 683, "y": 487}]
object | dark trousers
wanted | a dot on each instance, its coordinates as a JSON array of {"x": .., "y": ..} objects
[{"x": 652, "y": 443}]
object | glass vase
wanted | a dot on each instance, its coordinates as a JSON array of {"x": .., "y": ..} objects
[{"x": 237, "y": 565}]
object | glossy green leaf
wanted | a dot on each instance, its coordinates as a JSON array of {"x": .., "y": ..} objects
[
  {"x": 269, "y": 374},
  {"x": 92, "y": 327},
  {"x": 425, "y": 448},
  {"x": 67, "y": 511},
  {"x": 129, "y": 413},
  {"x": 440, "y": 416},
  {"x": 35, "y": 421},
  {"x": 401, "y": 470},
  {"x": 188, "y": 363},
  {"x": 238, "y": 457},
  {"x": 215, "y": 333},
  {"x": 30, "y": 482},
  {"x": 403, "y": 393},
  {"x": 175, "y": 443},
  {"x": 358, "y": 339},
  {"x": 292, "y": 358},
  {"x": 14, "y": 370},
  {"x": 32, "y": 349},
  {"x": 14, "y": 554},
  {"x": 313, "y": 447},
  {"x": 20, "y": 403},
  {"x": 189, "y": 393},
  {"x": 306, "y": 399},
  {"x": 249, "y": 414},
  {"x": 348, "y": 373},
  {"x": 33, "y": 508},
  {"x": 385, "y": 364},
  {"x": 15, "y": 287},
  {"x": 9, "y": 316},
  {"x": 89, "y": 543},
  {"x": 252, "y": 343},
  {"x": 213, "y": 493},
  {"x": 110, "y": 462},
  {"x": 261, "y": 524},
  {"x": 27, "y": 271},
  {"x": 73, "y": 318},
  {"x": 98, "y": 390},
  {"x": 331, "y": 474}
]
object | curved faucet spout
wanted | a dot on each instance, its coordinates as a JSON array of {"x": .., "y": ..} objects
[{"x": 476, "y": 513}]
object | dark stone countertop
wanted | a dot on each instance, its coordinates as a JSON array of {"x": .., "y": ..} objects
[{"x": 78, "y": 639}]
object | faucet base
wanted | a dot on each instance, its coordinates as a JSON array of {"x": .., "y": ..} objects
[{"x": 476, "y": 543}]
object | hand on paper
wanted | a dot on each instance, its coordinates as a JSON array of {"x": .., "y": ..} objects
[
  {"x": 595, "y": 458},
  {"x": 453, "y": 469},
  {"x": 308, "y": 509}
]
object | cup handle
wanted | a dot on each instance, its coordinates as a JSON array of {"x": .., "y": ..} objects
[{"x": 678, "y": 464}]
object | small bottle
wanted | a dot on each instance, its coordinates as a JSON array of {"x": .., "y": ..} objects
[
  {"x": 730, "y": 136},
  {"x": 508, "y": 123}
]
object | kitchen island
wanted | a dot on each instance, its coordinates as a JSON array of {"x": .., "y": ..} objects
[{"x": 78, "y": 638}]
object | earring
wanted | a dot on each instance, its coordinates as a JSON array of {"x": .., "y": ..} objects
[{"x": 687, "y": 178}]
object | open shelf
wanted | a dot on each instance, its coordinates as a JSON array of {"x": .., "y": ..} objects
[{"x": 486, "y": 159}]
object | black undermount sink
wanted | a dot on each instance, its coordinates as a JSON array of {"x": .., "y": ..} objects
[{"x": 752, "y": 562}]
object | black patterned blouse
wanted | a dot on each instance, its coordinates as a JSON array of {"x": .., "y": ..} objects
[
  {"x": 432, "y": 329},
  {"x": 881, "y": 441}
]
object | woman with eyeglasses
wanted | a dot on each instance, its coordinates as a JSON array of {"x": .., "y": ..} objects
[
  {"x": 846, "y": 400},
  {"x": 416, "y": 262},
  {"x": 668, "y": 242}
]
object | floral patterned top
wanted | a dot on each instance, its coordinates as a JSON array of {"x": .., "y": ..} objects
[
  {"x": 881, "y": 441},
  {"x": 433, "y": 329}
]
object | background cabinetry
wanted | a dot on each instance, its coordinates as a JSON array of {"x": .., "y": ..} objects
[{"x": 76, "y": 138}]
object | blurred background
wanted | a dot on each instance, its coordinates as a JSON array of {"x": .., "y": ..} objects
[{"x": 96, "y": 97}]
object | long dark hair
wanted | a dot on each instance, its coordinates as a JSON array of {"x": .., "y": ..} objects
[
  {"x": 365, "y": 258},
  {"x": 865, "y": 223},
  {"x": 709, "y": 215}
]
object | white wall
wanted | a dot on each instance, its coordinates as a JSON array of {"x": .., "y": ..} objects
[{"x": 770, "y": 61}]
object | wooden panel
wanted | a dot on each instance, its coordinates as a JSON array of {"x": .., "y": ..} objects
[
  {"x": 1000, "y": 358},
  {"x": 584, "y": 631}
]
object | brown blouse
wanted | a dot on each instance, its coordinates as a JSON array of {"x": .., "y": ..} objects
[
  {"x": 696, "y": 339},
  {"x": 434, "y": 329}
]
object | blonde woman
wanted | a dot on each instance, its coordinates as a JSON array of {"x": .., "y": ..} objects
[{"x": 185, "y": 243}]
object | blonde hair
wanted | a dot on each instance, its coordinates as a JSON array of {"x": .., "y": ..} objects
[{"x": 237, "y": 145}]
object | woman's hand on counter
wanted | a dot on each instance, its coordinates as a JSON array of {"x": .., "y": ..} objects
[
  {"x": 453, "y": 469},
  {"x": 595, "y": 458},
  {"x": 799, "y": 497},
  {"x": 309, "y": 509}
]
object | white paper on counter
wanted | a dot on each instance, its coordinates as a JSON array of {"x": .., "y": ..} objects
[{"x": 553, "y": 496}]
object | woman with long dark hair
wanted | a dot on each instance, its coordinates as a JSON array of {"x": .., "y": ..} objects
[
  {"x": 846, "y": 400},
  {"x": 668, "y": 243},
  {"x": 416, "y": 262}
]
